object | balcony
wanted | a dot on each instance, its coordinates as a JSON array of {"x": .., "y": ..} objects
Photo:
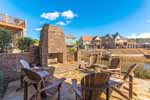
[{"x": 12, "y": 23}]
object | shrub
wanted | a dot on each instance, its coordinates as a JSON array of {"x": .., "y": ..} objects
[
  {"x": 24, "y": 43},
  {"x": 5, "y": 40},
  {"x": 142, "y": 72},
  {"x": 35, "y": 41},
  {"x": 72, "y": 50},
  {"x": 1, "y": 84}
]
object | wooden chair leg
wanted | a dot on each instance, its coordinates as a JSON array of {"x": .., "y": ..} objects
[
  {"x": 21, "y": 84},
  {"x": 119, "y": 92},
  {"x": 21, "y": 81},
  {"x": 126, "y": 88},
  {"x": 25, "y": 90},
  {"x": 59, "y": 91},
  {"x": 76, "y": 97},
  {"x": 130, "y": 87},
  {"x": 38, "y": 95},
  {"x": 107, "y": 94}
]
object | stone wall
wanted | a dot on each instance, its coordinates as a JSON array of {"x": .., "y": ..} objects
[
  {"x": 12, "y": 60},
  {"x": 71, "y": 57},
  {"x": 10, "y": 66}
]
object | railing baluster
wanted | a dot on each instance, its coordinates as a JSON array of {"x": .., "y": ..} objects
[{"x": 12, "y": 20}]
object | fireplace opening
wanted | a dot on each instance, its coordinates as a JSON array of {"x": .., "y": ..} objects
[{"x": 54, "y": 58}]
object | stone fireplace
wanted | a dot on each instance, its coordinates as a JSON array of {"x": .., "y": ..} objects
[
  {"x": 55, "y": 58},
  {"x": 52, "y": 45}
]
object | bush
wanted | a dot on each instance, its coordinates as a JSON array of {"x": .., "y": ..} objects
[
  {"x": 1, "y": 84},
  {"x": 72, "y": 50},
  {"x": 142, "y": 72},
  {"x": 35, "y": 42},
  {"x": 5, "y": 40},
  {"x": 24, "y": 43}
]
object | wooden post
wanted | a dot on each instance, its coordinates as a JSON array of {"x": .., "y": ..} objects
[{"x": 131, "y": 86}]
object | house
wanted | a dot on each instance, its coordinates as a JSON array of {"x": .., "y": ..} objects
[
  {"x": 96, "y": 42},
  {"x": 15, "y": 25},
  {"x": 120, "y": 42},
  {"x": 85, "y": 42},
  {"x": 139, "y": 43},
  {"x": 114, "y": 41},
  {"x": 133, "y": 44},
  {"x": 108, "y": 41},
  {"x": 70, "y": 40}
]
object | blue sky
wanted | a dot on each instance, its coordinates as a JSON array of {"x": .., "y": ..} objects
[{"x": 91, "y": 17}]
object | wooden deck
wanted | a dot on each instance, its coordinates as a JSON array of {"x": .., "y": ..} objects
[{"x": 12, "y": 23}]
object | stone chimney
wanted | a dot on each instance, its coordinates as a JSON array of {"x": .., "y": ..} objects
[{"x": 52, "y": 45}]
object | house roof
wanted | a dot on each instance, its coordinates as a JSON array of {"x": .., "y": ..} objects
[
  {"x": 108, "y": 36},
  {"x": 96, "y": 38},
  {"x": 113, "y": 36},
  {"x": 117, "y": 34},
  {"x": 87, "y": 38}
]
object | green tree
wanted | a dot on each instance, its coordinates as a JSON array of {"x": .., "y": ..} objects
[
  {"x": 24, "y": 43},
  {"x": 77, "y": 44},
  {"x": 35, "y": 41},
  {"x": 5, "y": 39}
]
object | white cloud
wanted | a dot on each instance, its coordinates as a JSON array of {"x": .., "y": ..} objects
[
  {"x": 68, "y": 14},
  {"x": 38, "y": 29},
  {"x": 61, "y": 23},
  {"x": 50, "y": 15},
  {"x": 141, "y": 35}
]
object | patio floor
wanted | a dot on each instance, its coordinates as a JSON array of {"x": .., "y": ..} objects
[{"x": 68, "y": 71}]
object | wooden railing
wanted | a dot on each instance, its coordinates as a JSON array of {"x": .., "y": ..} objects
[{"x": 12, "y": 20}]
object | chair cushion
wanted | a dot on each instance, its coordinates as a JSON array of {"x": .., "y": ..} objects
[
  {"x": 116, "y": 79},
  {"x": 25, "y": 64},
  {"x": 43, "y": 73}
]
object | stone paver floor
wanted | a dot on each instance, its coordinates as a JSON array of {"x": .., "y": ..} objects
[{"x": 142, "y": 87}]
